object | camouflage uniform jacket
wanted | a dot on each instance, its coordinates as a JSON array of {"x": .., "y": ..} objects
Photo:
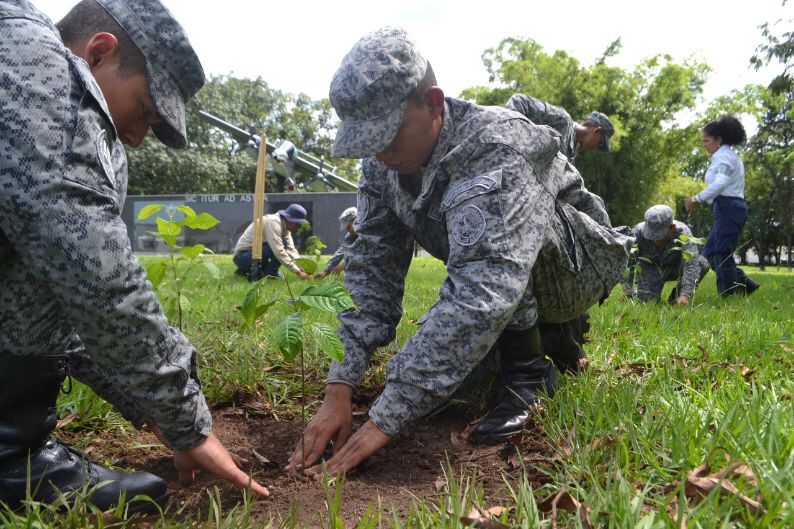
[
  {"x": 339, "y": 254},
  {"x": 647, "y": 254},
  {"x": 68, "y": 279},
  {"x": 484, "y": 204},
  {"x": 542, "y": 113}
]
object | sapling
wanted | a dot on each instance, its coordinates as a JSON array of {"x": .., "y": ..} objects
[
  {"x": 168, "y": 231},
  {"x": 290, "y": 333}
]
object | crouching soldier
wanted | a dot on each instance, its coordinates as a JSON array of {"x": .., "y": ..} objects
[
  {"x": 665, "y": 252},
  {"x": 73, "y": 298},
  {"x": 479, "y": 188}
]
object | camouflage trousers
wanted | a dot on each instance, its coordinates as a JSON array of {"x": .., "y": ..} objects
[{"x": 578, "y": 266}]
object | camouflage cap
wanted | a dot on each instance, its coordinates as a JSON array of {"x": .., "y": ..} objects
[
  {"x": 370, "y": 91},
  {"x": 347, "y": 216},
  {"x": 607, "y": 128},
  {"x": 658, "y": 219},
  {"x": 173, "y": 68}
]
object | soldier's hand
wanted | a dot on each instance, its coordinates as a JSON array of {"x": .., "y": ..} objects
[
  {"x": 338, "y": 269},
  {"x": 364, "y": 443},
  {"x": 303, "y": 275},
  {"x": 334, "y": 421},
  {"x": 683, "y": 299},
  {"x": 213, "y": 457},
  {"x": 320, "y": 275},
  {"x": 690, "y": 204}
]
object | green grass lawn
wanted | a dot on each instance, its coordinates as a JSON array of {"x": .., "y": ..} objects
[{"x": 668, "y": 389}]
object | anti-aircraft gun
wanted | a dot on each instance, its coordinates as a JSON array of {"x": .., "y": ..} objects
[{"x": 292, "y": 167}]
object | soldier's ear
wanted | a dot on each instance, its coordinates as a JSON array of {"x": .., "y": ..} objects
[
  {"x": 434, "y": 98},
  {"x": 99, "y": 48}
]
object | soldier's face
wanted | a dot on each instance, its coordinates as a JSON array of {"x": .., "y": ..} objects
[
  {"x": 592, "y": 139},
  {"x": 129, "y": 101},
  {"x": 415, "y": 139}
]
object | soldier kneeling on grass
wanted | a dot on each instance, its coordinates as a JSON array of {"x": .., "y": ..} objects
[
  {"x": 74, "y": 300},
  {"x": 665, "y": 252}
]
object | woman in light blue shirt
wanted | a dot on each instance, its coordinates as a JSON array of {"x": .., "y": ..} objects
[{"x": 725, "y": 193}]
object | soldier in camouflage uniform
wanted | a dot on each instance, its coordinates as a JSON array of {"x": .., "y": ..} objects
[
  {"x": 564, "y": 342},
  {"x": 336, "y": 264},
  {"x": 662, "y": 255},
  {"x": 479, "y": 189},
  {"x": 73, "y": 298},
  {"x": 592, "y": 133}
]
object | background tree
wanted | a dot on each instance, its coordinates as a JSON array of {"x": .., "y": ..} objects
[
  {"x": 771, "y": 151},
  {"x": 213, "y": 163},
  {"x": 648, "y": 147}
]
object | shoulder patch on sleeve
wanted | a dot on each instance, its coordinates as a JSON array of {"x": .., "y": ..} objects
[
  {"x": 468, "y": 226},
  {"x": 475, "y": 186},
  {"x": 103, "y": 153}
]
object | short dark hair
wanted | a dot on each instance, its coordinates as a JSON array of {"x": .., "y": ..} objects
[
  {"x": 728, "y": 128},
  {"x": 417, "y": 97},
  {"x": 88, "y": 18}
]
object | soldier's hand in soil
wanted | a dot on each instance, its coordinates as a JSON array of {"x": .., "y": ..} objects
[
  {"x": 683, "y": 299},
  {"x": 363, "y": 444},
  {"x": 333, "y": 422},
  {"x": 213, "y": 457}
]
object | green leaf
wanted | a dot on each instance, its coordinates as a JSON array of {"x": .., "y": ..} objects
[
  {"x": 187, "y": 210},
  {"x": 289, "y": 336},
  {"x": 308, "y": 265},
  {"x": 202, "y": 221},
  {"x": 168, "y": 227},
  {"x": 156, "y": 273},
  {"x": 185, "y": 302},
  {"x": 171, "y": 310},
  {"x": 248, "y": 308},
  {"x": 329, "y": 297},
  {"x": 213, "y": 269},
  {"x": 148, "y": 211},
  {"x": 191, "y": 252},
  {"x": 262, "y": 309},
  {"x": 683, "y": 237},
  {"x": 645, "y": 259},
  {"x": 687, "y": 255},
  {"x": 170, "y": 240},
  {"x": 328, "y": 341}
]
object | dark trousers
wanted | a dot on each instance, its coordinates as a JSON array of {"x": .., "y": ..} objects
[
  {"x": 268, "y": 265},
  {"x": 730, "y": 214}
]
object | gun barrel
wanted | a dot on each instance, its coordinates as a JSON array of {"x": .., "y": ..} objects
[{"x": 306, "y": 164}]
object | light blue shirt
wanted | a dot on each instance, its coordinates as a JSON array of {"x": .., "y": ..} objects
[{"x": 724, "y": 177}]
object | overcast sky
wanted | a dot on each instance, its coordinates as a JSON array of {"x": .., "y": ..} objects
[{"x": 296, "y": 46}]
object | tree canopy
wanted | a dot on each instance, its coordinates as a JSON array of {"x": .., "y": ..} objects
[
  {"x": 648, "y": 147},
  {"x": 213, "y": 163}
]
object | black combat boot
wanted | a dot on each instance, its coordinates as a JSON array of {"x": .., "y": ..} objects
[
  {"x": 526, "y": 373},
  {"x": 31, "y": 460},
  {"x": 563, "y": 342}
]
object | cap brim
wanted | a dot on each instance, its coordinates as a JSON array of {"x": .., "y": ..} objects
[
  {"x": 171, "y": 130},
  {"x": 366, "y": 138}
]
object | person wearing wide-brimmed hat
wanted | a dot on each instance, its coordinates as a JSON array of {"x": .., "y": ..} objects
[
  {"x": 74, "y": 300},
  {"x": 278, "y": 248},
  {"x": 666, "y": 251}
]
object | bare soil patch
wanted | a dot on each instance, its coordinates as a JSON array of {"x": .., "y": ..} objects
[{"x": 409, "y": 469}]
